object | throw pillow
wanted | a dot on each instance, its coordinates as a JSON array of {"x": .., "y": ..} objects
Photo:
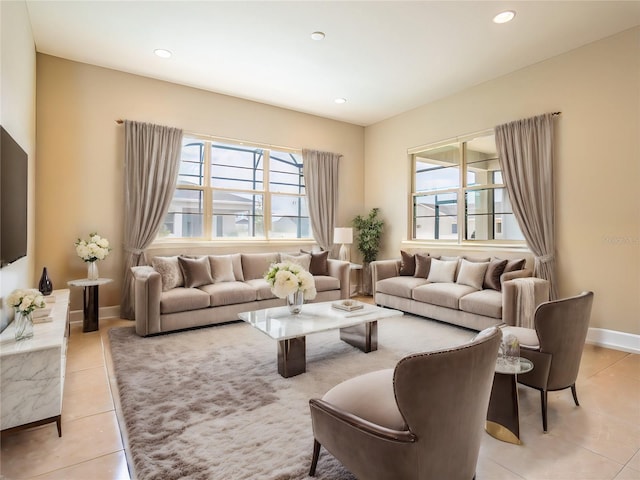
[
  {"x": 423, "y": 264},
  {"x": 319, "y": 265},
  {"x": 221, "y": 268},
  {"x": 451, "y": 259},
  {"x": 256, "y": 265},
  {"x": 442, "y": 271},
  {"x": 303, "y": 259},
  {"x": 408, "y": 264},
  {"x": 196, "y": 271},
  {"x": 514, "y": 265},
  {"x": 169, "y": 270},
  {"x": 472, "y": 273},
  {"x": 494, "y": 271}
]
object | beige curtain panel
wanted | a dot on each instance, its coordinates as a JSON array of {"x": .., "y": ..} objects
[
  {"x": 152, "y": 160},
  {"x": 525, "y": 148},
  {"x": 321, "y": 183}
]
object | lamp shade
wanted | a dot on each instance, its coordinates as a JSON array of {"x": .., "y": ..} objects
[{"x": 343, "y": 235}]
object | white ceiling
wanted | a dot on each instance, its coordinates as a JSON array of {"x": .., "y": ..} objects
[{"x": 383, "y": 57}]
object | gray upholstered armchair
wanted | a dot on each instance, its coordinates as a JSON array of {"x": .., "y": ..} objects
[
  {"x": 423, "y": 419},
  {"x": 555, "y": 346}
]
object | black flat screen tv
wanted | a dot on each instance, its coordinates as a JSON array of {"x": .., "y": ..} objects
[{"x": 14, "y": 187}]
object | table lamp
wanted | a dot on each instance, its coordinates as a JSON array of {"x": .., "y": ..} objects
[{"x": 344, "y": 236}]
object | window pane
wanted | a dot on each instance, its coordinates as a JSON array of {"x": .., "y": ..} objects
[
  {"x": 490, "y": 217},
  {"x": 237, "y": 167},
  {"x": 435, "y": 217},
  {"x": 191, "y": 162},
  {"x": 285, "y": 173},
  {"x": 437, "y": 169},
  {"x": 289, "y": 217},
  {"x": 237, "y": 214},
  {"x": 482, "y": 161},
  {"x": 185, "y": 215}
]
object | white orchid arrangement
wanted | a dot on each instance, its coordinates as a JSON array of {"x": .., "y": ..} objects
[
  {"x": 26, "y": 300},
  {"x": 287, "y": 278},
  {"x": 95, "y": 248}
]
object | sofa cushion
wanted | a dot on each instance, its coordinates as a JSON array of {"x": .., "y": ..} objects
[
  {"x": 408, "y": 264},
  {"x": 169, "y": 270},
  {"x": 442, "y": 294},
  {"x": 492, "y": 276},
  {"x": 423, "y": 265},
  {"x": 355, "y": 396},
  {"x": 472, "y": 273},
  {"x": 319, "y": 265},
  {"x": 255, "y": 265},
  {"x": 222, "y": 268},
  {"x": 229, "y": 293},
  {"x": 399, "y": 286},
  {"x": 487, "y": 303},
  {"x": 302, "y": 259},
  {"x": 182, "y": 299},
  {"x": 442, "y": 271},
  {"x": 527, "y": 337},
  {"x": 196, "y": 271},
  {"x": 262, "y": 288},
  {"x": 325, "y": 283}
]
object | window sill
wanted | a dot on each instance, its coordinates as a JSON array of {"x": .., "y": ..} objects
[{"x": 468, "y": 246}]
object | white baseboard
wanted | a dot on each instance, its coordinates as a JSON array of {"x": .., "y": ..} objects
[
  {"x": 627, "y": 342},
  {"x": 76, "y": 316}
]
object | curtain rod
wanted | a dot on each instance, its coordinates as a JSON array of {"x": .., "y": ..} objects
[{"x": 555, "y": 114}]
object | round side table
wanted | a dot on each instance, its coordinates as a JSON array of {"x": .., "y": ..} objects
[{"x": 90, "y": 301}]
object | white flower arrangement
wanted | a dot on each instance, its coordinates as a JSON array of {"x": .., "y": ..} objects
[
  {"x": 287, "y": 278},
  {"x": 95, "y": 248},
  {"x": 26, "y": 300}
]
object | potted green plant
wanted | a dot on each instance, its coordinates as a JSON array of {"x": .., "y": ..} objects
[{"x": 369, "y": 235}]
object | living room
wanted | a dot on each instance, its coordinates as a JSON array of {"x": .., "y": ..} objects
[{"x": 63, "y": 113}]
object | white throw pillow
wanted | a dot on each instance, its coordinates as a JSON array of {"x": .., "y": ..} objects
[
  {"x": 442, "y": 271},
  {"x": 304, "y": 259},
  {"x": 472, "y": 273},
  {"x": 221, "y": 268}
]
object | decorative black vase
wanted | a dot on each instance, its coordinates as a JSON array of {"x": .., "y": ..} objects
[{"x": 45, "y": 286}]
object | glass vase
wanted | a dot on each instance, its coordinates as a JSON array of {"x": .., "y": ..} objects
[
  {"x": 295, "y": 301},
  {"x": 24, "y": 325},
  {"x": 92, "y": 271}
]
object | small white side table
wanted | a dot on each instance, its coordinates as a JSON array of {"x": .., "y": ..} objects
[
  {"x": 358, "y": 268},
  {"x": 90, "y": 301}
]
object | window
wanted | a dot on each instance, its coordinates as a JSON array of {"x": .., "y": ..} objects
[
  {"x": 227, "y": 190},
  {"x": 458, "y": 193}
]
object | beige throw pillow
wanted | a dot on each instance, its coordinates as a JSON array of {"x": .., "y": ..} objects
[
  {"x": 196, "y": 271},
  {"x": 169, "y": 270},
  {"x": 222, "y": 268},
  {"x": 423, "y": 264},
  {"x": 442, "y": 271},
  {"x": 302, "y": 259},
  {"x": 472, "y": 273}
]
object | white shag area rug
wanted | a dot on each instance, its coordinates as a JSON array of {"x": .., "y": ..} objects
[{"x": 209, "y": 404}]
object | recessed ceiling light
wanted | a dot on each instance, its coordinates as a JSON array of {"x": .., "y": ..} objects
[
  {"x": 504, "y": 17},
  {"x": 162, "y": 53},
  {"x": 340, "y": 101},
  {"x": 317, "y": 36}
]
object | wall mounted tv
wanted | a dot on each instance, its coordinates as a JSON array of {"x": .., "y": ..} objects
[{"x": 13, "y": 199}]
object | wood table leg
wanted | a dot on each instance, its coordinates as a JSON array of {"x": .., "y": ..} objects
[
  {"x": 292, "y": 357},
  {"x": 90, "y": 309},
  {"x": 364, "y": 336},
  {"x": 502, "y": 415}
]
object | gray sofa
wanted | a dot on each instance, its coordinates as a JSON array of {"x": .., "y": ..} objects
[
  {"x": 179, "y": 292},
  {"x": 469, "y": 292}
]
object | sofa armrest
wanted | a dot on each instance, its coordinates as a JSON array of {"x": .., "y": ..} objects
[
  {"x": 342, "y": 271},
  {"x": 510, "y": 314},
  {"x": 381, "y": 269},
  {"x": 147, "y": 289}
]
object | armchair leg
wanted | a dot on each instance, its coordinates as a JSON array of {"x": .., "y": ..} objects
[
  {"x": 575, "y": 395},
  {"x": 314, "y": 460},
  {"x": 543, "y": 402}
]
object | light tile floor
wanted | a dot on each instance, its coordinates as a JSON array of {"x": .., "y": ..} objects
[{"x": 599, "y": 440}]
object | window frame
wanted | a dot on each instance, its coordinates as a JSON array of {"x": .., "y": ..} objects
[
  {"x": 461, "y": 193},
  {"x": 207, "y": 189}
]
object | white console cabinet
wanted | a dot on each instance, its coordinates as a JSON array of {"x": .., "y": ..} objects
[{"x": 33, "y": 370}]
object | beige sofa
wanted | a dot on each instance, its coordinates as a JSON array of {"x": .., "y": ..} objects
[
  {"x": 181, "y": 292},
  {"x": 474, "y": 293}
]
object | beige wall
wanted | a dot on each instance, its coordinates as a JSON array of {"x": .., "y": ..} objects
[
  {"x": 597, "y": 168},
  {"x": 18, "y": 117},
  {"x": 80, "y": 166}
]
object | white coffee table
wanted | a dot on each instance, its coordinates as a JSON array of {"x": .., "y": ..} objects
[{"x": 358, "y": 328}]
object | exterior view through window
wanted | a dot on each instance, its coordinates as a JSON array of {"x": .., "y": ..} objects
[
  {"x": 459, "y": 195},
  {"x": 227, "y": 190}
]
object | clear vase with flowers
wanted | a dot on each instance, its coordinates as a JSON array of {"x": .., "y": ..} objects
[
  {"x": 91, "y": 250},
  {"x": 25, "y": 301},
  {"x": 291, "y": 281}
]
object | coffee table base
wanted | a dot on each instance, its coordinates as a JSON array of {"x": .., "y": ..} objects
[{"x": 292, "y": 355}]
